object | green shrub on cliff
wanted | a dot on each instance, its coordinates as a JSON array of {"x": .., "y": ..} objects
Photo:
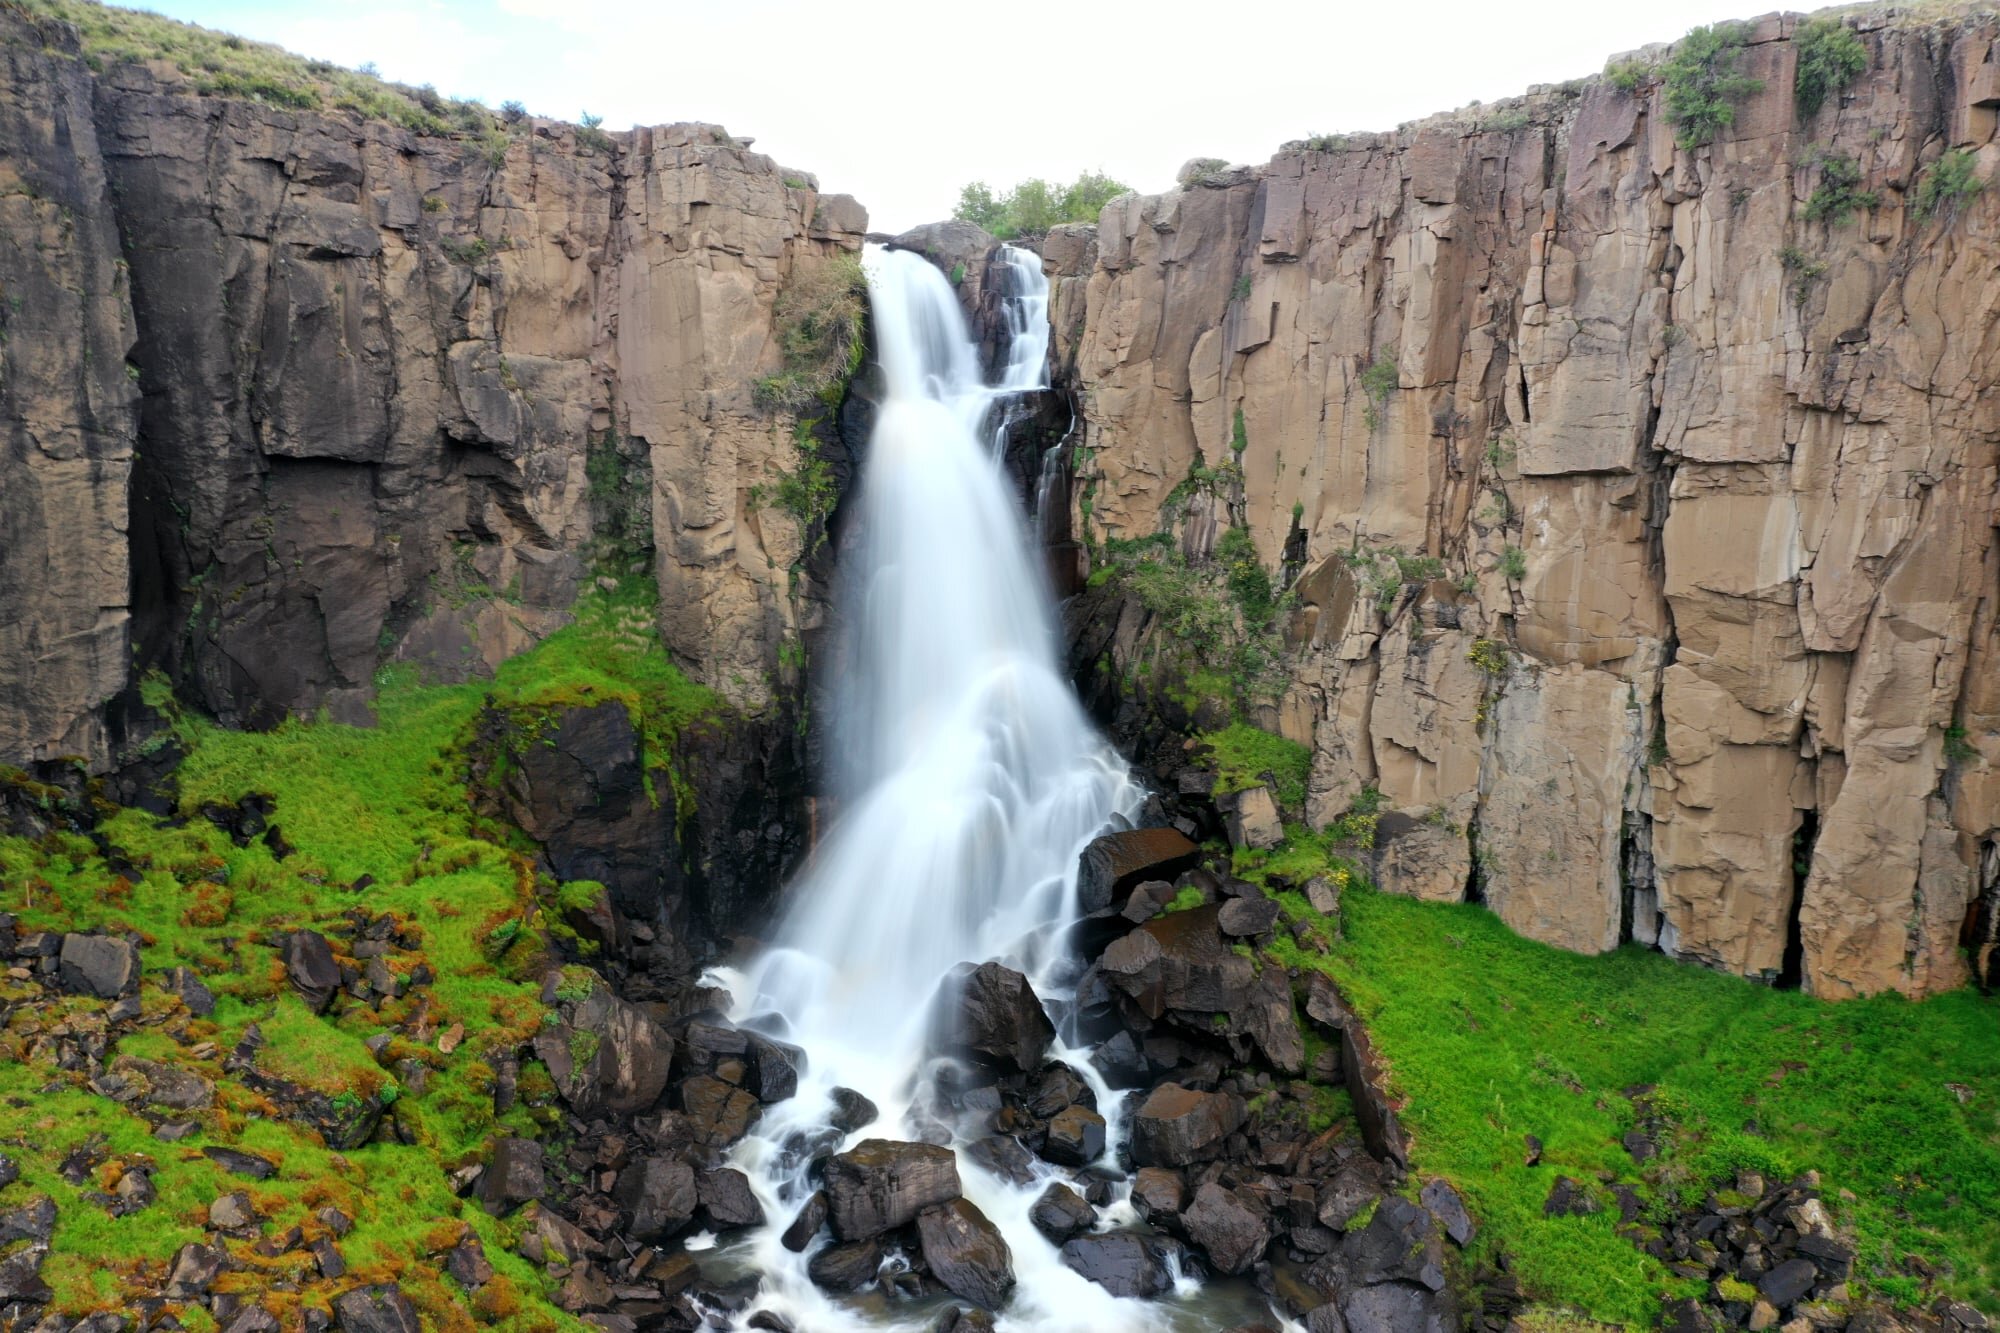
[
  {"x": 1830, "y": 56},
  {"x": 1029, "y": 209},
  {"x": 820, "y": 317},
  {"x": 1947, "y": 183},
  {"x": 1839, "y": 194},
  {"x": 1703, "y": 86}
]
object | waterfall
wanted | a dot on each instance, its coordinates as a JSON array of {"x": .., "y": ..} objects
[{"x": 969, "y": 779}]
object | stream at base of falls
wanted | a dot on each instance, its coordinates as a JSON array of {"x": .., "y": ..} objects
[{"x": 969, "y": 780}]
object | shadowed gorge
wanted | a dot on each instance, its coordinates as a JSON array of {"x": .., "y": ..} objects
[{"x": 1397, "y": 740}]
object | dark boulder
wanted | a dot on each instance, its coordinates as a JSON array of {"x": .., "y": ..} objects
[
  {"x": 845, "y": 1266},
  {"x": 1569, "y": 1198},
  {"x": 1232, "y": 1232},
  {"x": 468, "y": 1264},
  {"x": 1176, "y": 1126},
  {"x": 1115, "y": 864},
  {"x": 1399, "y": 1244},
  {"x": 773, "y": 1069},
  {"x": 1061, "y": 1212},
  {"x": 659, "y": 1195},
  {"x": 993, "y": 1013},
  {"x": 1351, "y": 1189},
  {"x": 514, "y": 1175},
  {"x": 1443, "y": 1203},
  {"x": 1003, "y": 1155},
  {"x": 602, "y": 1053},
  {"x": 1242, "y": 918},
  {"x": 1058, "y": 1086},
  {"x": 310, "y": 967},
  {"x": 1076, "y": 1137},
  {"x": 34, "y": 1220},
  {"x": 21, "y": 1277},
  {"x": 1397, "y": 1307},
  {"x": 378, "y": 1309},
  {"x": 239, "y": 1163},
  {"x": 1159, "y": 1194},
  {"x": 727, "y": 1201},
  {"x": 881, "y": 1184},
  {"x": 101, "y": 965},
  {"x": 851, "y": 1111},
  {"x": 194, "y": 1270},
  {"x": 1183, "y": 965},
  {"x": 720, "y": 1113},
  {"x": 960, "y": 1320},
  {"x": 966, "y": 1253},
  {"x": 806, "y": 1224},
  {"x": 1788, "y": 1282},
  {"x": 1123, "y": 1263}
]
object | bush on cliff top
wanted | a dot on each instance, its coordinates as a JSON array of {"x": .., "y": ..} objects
[
  {"x": 1032, "y": 207},
  {"x": 224, "y": 65},
  {"x": 1703, "y": 86},
  {"x": 1830, "y": 56},
  {"x": 1492, "y": 1037}
]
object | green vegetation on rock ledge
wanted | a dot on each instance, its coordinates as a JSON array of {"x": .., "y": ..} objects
[
  {"x": 821, "y": 314},
  {"x": 386, "y": 809},
  {"x": 1491, "y": 1038},
  {"x": 1830, "y": 56},
  {"x": 225, "y": 65},
  {"x": 1032, "y": 207},
  {"x": 1247, "y": 756},
  {"x": 1703, "y": 86}
]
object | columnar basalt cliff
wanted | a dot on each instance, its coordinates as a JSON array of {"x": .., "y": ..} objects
[
  {"x": 1703, "y": 652},
  {"x": 394, "y": 396}
]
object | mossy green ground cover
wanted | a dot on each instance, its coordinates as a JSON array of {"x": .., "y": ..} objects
[
  {"x": 1491, "y": 1037},
  {"x": 388, "y": 802}
]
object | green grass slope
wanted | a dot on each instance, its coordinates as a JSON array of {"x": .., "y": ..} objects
[
  {"x": 388, "y": 802},
  {"x": 1491, "y": 1037}
]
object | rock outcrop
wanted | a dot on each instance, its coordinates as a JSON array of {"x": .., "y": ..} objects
[
  {"x": 1638, "y": 510},
  {"x": 394, "y": 396}
]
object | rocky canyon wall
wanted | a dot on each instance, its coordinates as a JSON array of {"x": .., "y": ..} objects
[
  {"x": 1692, "y": 636},
  {"x": 338, "y": 395}
]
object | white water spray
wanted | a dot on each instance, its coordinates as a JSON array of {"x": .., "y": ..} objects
[{"x": 970, "y": 781}]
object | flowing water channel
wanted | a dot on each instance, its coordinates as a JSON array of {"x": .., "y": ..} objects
[{"x": 969, "y": 780}]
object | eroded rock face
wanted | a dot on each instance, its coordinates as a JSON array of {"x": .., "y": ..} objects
[
  {"x": 1710, "y": 488},
  {"x": 401, "y": 393}
]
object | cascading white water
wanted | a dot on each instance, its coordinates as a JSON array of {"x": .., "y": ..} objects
[{"x": 970, "y": 780}]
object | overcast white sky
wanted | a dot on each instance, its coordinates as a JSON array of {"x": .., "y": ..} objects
[{"x": 900, "y": 102}]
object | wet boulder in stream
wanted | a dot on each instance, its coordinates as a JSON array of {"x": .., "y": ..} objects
[
  {"x": 991, "y": 1013},
  {"x": 1061, "y": 1212},
  {"x": 1116, "y": 863},
  {"x": 1231, "y": 1231},
  {"x": 966, "y": 1252},
  {"x": 881, "y": 1184},
  {"x": 1124, "y": 1263}
]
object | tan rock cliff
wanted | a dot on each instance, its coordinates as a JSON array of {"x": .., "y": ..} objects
[
  {"x": 1716, "y": 480},
  {"x": 396, "y": 388}
]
